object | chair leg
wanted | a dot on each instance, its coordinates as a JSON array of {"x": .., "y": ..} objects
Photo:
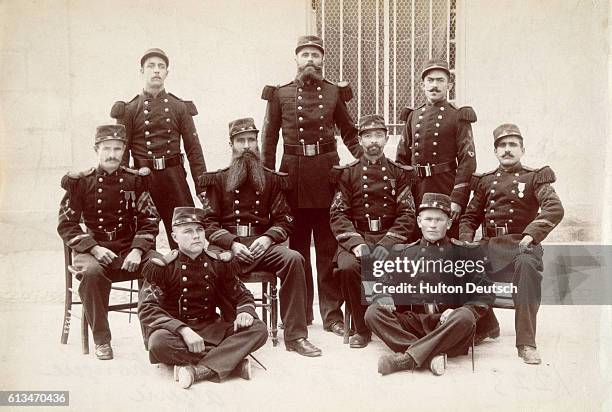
[
  {"x": 67, "y": 295},
  {"x": 84, "y": 333},
  {"x": 131, "y": 300},
  {"x": 347, "y": 325},
  {"x": 264, "y": 302},
  {"x": 473, "y": 339},
  {"x": 274, "y": 312}
]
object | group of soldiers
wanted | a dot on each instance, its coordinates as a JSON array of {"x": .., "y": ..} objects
[{"x": 110, "y": 214}]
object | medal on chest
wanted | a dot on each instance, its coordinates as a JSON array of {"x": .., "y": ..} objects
[{"x": 521, "y": 189}]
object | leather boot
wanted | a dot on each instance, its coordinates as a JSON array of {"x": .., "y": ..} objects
[
  {"x": 394, "y": 363},
  {"x": 243, "y": 369},
  {"x": 189, "y": 374}
]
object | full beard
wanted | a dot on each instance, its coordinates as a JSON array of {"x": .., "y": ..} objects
[
  {"x": 309, "y": 75},
  {"x": 246, "y": 167}
]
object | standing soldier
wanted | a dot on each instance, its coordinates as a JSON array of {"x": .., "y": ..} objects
[
  {"x": 373, "y": 207},
  {"x": 155, "y": 121},
  {"x": 121, "y": 224},
  {"x": 307, "y": 109},
  {"x": 437, "y": 141},
  {"x": 247, "y": 213},
  {"x": 518, "y": 208}
]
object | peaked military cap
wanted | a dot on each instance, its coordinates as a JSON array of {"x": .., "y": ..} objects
[
  {"x": 309, "y": 40},
  {"x": 505, "y": 130},
  {"x": 154, "y": 52},
  {"x": 372, "y": 122},
  {"x": 433, "y": 64},
  {"x": 110, "y": 132},
  {"x": 238, "y": 126},
  {"x": 183, "y": 215},
  {"x": 436, "y": 201}
]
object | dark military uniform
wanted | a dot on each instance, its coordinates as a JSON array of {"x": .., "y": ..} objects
[
  {"x": 181, "y": 291},
  {"x": 511, "y": 204},
  {"x": 119, "y": 215},
  {"x": 437, "y": 141},
  {"x": 154, "y": 128},
  {"x": 418, "y": 332},
  {"x": 245, "y": 214},
  {"x": 373, "y": 206},
  {"x": 307, "y": 115}
]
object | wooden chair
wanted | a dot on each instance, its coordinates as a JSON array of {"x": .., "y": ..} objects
[
  {"x": 268, "y": 300},
  {"x": 69, "y": 300}
]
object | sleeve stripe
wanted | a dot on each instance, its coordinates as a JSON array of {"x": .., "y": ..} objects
[
  {"x": 460, "y": 185},
  {"x": 397, "y": 236},
  {"x": 216, "y": 235},
  {"x": 145, "y": 236},
  {"x": 546, "y": 222},
  {"x": 77, "y": 238},
  {"x": 347, "y": 234}
]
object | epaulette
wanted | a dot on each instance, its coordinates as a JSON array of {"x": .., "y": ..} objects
[
  {"x": 166, "y": 259},
  {"x": 398, "y": 247},
  {"x": 405, "y": 113},
  {"x": 268, "y": 92},
  {"x": 143, "y": 171},
  {"x": 337, "y": 170},
  {"x": 474, "y": 180},
  {"x": 118, "y": 109},
  {"x": 209, "y": 178},
  {"x": 70, "y": 178},
  {"x": 345, "y": 91},
  {"x": 401, "y": 166},
  {"x": 545, "y": 175},
  {"x": 469, "y": 245},
  {"x": 222, "y": 255},
  {"x": 468, "y": 114},
  {"x": 191, "y": 107},
  {"x": 281, "y": 177}
]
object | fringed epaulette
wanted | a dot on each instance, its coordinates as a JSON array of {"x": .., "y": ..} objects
[
  {"x": 281, "y": 177},
  {"x": 71, "y": 178},
  {"x": 544, "y": 175},
  {"x": 268, "y": 92},
  {"x": 467, "y": 114},
  {"x": 143, "y": 171},
  {"x": 208, "y": 178},
  {"x": 166, "y": 259},
  {"x": 345, "y": 91},
  {"x": 405, "y": 113},
  {"x": 337, "y": 170},
  {"x": 469, "y": 245},
  {"x": 475, "y": 179},
  {"x": 222, "y": 255},
  {"x": 118, "y": 109},
  {"x": 190, "y": 105}
]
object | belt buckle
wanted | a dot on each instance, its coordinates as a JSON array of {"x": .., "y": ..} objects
[
  {"x": 243, "y": 230},
  {"x": 111, "y": 235},
  {"x": 159, "y": 163},
  {"x": 374, "y": 224},
  {"x": 310, "y": 149},
  {"x": 423, "y": 170},
  {"x": 501, "y": 230}
]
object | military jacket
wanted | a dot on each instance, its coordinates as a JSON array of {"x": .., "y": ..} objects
[
  {"x": 436, "y": 134},
  {"x": 366, "y": 191},
  {"x": 155, "y": 125},
  {"x": 307, "y": 114},
  {"x": 180, "y": 290},
  {"x": 266, "y": 211},
  {"x": 116, "y": 209},
  {"x": 520, "y": 199}
]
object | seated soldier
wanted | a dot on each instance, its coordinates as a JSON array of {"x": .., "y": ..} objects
[
  {"x": 373, "y": 206},
  {"x": 444, "y": 324},
  {"x": 177, "y": 309},
  {"x": 121, "y": 225},
  {"x": 247, "y": 213}
]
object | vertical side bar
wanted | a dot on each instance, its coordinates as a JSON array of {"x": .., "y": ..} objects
[
  {"x": 323, "y": 27},
  {"x": 448, "y": 29},
  {"x": 412, "y": 55},
  {"x": 358, "y": 60},
  {"x": 386, "y": 68},
  {"x": 394, "y": 66},
  {"x": 377, "y": 97},
  {"x": 430, "y": 28},
  {"x": 341, "y": 38}
]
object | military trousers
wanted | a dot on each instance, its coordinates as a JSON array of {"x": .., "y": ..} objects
[
  {"x": 95, "y": 285},
  {"x": 288, "y": 265},
  {"x": 168, "y": 190},
  {"x": 169, "y": 348},
  {"x": 421, "y": 335},
  {"x": 309, "y": 223},
  {"x": 349, "y": 271}
]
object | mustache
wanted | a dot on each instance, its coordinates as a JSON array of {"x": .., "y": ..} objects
[
  {"x": 434, "y": 89},
  {"x": 108, "y": 159}
]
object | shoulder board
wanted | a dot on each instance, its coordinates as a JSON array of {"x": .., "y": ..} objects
[
  {"x": 281, "y": 178},
  {"x": 286, "y": 84},
  {"x": 209, "y": 178},
  {"x": 71, "y": 178},
  {"x": 490, "y": 172},
  {"x": 118, "y": 110},
  {"x": 222, "y": 255},
  {"x": 166, "y": 259},
  {"x": 545, "y": 175},
  {"x": 268, "y": 92},
  {"x": 191, "y": 107},
  {"x": 401, "y": 166},
  {"x": 340, "y": 167},
  {"x": 405, "y": 113},
  {"x": 337, "y": 170},
  {"x": 461, "y": 243},
  {"x": 345, "y": 91},
  {"x": 468, "y": 114},
  {"x": 78, "y": 175}
]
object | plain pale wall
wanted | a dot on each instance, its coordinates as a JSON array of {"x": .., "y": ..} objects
[
  {"x": 65, "y": 63},
  {"x": 544, "y": 65}
]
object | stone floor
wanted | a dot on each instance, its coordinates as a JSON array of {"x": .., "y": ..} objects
[{"x": 574, "y": 341}]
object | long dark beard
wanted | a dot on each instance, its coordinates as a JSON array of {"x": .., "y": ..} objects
[
  {"x": 309, "y": 74},
  {"x": 246, "y": 167}
]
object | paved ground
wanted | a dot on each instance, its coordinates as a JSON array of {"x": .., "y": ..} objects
[{"x": 575, "y": 342}]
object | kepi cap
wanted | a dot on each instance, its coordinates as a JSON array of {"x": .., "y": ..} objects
[
  {"x": 110, "y": 132},
  {"x": 433, "y": 64},
  {"x": 154, "y": 52},
  {"x": 372, "y": 122},
  {"x": 183, "y": 215},
  {"x": 309, "y": 40},
  {"x": 505, "y": 130},
  {"x": 436, "y": 201},
  {"x": 238, "y": 126}
]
